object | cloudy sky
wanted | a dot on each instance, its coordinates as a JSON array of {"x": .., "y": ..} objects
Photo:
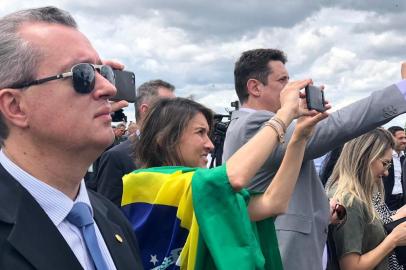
[{"x": 352, "y": 47}]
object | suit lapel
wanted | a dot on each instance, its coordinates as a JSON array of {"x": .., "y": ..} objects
[
  {"x": 113, "y": 236},
  {"x": 39, "y": 241},
  {"x": 33, "y": 234},
  {"x": 390, "y": 179},
  {"x": 402, "y": 161},
  {"x": 388, "y": 182}
]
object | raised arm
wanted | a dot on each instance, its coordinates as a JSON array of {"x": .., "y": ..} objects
[
  {"x": 244, "y": 164},
  {"x": 275, "y": 199},
  {"x": 372, "y": 258}
]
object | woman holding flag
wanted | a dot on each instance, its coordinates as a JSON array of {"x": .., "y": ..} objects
[{"x": 186, "y": 216}]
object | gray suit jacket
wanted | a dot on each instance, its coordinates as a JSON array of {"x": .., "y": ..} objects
[{"x": 302, "y": 231}]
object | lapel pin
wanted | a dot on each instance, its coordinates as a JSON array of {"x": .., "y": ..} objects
[{"x": 119, "y": 238}]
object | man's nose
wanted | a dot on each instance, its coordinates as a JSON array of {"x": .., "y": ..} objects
[{"x": 104, "y": 88}]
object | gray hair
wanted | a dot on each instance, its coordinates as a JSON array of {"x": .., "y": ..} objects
[
  {"x": 19, "y": 58},
  {"x": 148, "y": 92}
]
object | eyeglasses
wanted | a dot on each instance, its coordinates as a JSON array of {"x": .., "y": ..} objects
[
  {"x": 83, "y": 77},
  {"x": 386, "y": 164}
]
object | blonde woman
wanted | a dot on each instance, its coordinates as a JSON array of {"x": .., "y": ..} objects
[{"x": 361, "y": 242}]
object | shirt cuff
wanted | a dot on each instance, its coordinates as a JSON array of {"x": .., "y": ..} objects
[{"x": 402, "y": 87}]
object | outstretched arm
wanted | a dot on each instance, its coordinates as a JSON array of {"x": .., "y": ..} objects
[{"x": 372, "y": 258}]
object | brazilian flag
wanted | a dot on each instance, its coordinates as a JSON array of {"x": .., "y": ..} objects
[{"x": 188, "y": 218}]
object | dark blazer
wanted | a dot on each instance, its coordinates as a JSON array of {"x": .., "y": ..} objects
[
  {"x": 113, "y": 165},
  {"x": 29, "y": 239},
  {"x": 389, "y": 181}
]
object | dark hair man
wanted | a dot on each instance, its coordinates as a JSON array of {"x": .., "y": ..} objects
[
  {"x": 118, "y": 161},
  {"x": 48, "y": 219},
  {"x": 260, "y": 75},
  {"x": 394, "y": 186}
]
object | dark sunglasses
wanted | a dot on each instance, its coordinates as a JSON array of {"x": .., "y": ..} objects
[{"x": 83, "y": 77}]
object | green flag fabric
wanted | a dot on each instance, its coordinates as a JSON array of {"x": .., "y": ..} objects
[
  {"x": 228, "y": 239},
  {"x": 187, "y": 218}
]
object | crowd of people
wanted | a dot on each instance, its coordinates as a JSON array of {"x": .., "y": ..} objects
[{"x": 151, "y": 202}]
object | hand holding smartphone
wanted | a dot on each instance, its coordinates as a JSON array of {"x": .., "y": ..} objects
[
  {"x": 125, "y": 85},
  {"x": 315, "y": 98}
]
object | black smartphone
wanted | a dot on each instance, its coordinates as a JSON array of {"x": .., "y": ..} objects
[
  {"x": 401, "y": 250},
  {"x": 125, "y": 85},
  {"x": 315, "y": 98}
]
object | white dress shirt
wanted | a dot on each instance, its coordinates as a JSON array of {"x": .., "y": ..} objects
[
  {"x": 57, "y": 206},
  {"x": 397, "y": 173}
]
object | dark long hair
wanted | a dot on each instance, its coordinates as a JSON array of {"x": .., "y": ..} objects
[{"x": 162, "y": 129}]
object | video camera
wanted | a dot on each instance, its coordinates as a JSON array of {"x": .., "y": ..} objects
[{"x": 220, "y": 126}]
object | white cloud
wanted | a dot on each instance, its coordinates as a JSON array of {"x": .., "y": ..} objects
[{"x": 352, "y": 48}]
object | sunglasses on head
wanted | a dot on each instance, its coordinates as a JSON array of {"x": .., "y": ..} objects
[{"x": 83, "y": 77}]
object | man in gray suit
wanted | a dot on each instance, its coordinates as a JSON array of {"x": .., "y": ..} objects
[{"x": 260, "y": 75}]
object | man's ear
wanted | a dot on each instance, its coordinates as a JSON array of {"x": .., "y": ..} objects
[
  {"x": 253, "y": 87},
  {"x": 13, "y": 107},
  {"x": 144, "y": 108}
]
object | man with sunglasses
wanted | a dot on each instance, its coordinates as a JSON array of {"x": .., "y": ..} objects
[{"x": 49, "y": 72}]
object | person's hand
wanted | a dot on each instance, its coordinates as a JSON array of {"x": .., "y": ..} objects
[
  {"x": 398, "y": 235},
  {"x": 308, "y": 120},
  {"x": 400, "y": 213},
  {"x": 306, "y": 123},
  {"x": 403, "y": 71},
  {"x": 116, "y": 105},
  {"x": 290, "y": 99},
  {"x": 114, "y": 64}
]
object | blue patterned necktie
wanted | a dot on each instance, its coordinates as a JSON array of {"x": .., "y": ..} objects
[{"x": 81, "y": 217}]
